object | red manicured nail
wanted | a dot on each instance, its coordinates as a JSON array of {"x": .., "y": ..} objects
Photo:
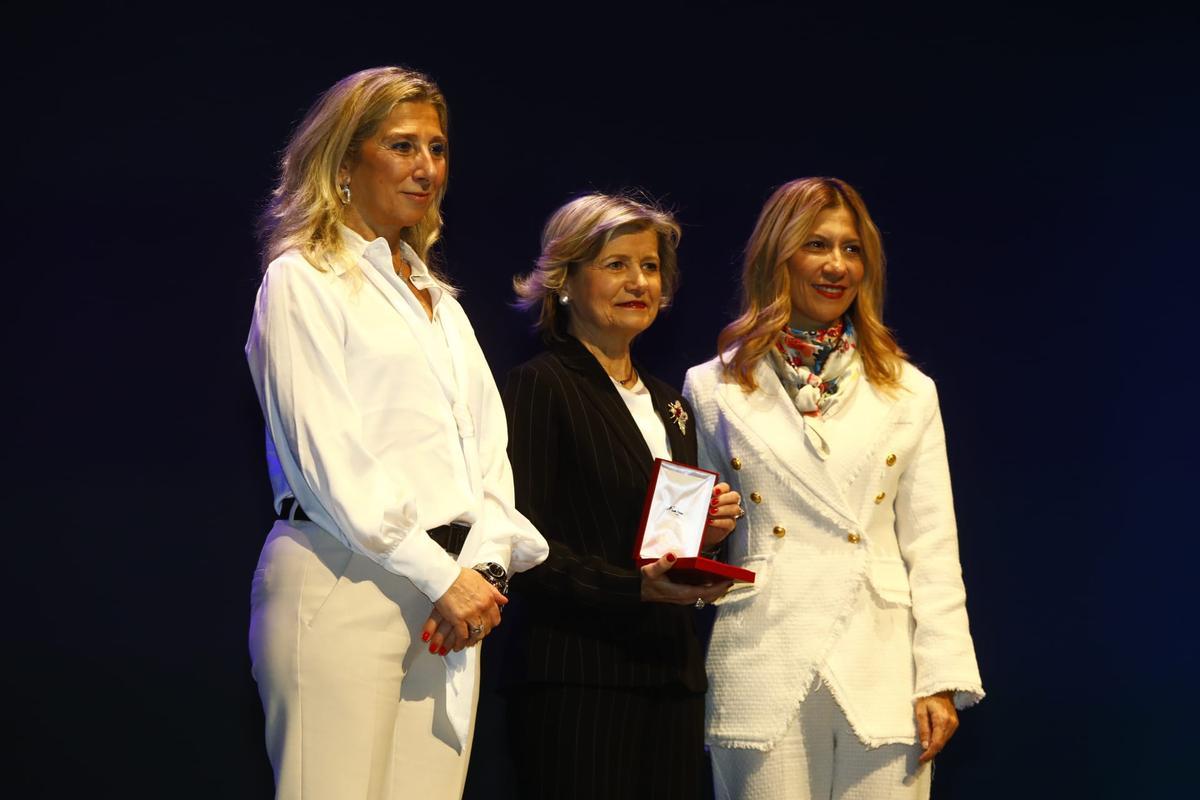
[
  {"x": 716, "y": 492},
  {"x": 671, "y": 557},
  {"x": 443, "y": 651},
  {"x": 425, "y": 636},
  {"x": 433, "y": 648}
]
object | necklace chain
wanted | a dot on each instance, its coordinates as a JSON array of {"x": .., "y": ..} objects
[{"x": 625, "y": 381}]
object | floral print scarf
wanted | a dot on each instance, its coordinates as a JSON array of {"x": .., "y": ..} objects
[{"x": 819, "y": 369}]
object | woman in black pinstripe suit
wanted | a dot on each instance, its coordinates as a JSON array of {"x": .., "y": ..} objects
[{"x": 605, "y": 667}]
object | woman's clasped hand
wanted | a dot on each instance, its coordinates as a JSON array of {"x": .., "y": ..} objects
[{"x": 464, "y": 615}]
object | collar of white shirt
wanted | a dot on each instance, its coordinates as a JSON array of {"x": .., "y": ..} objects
[{"x": 379, "y": 255}]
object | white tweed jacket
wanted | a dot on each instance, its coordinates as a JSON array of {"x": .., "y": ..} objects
[{"x": 858, "y": 578}]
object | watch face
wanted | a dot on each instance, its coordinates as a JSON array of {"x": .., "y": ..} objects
[{"x": 493, "y": 572}]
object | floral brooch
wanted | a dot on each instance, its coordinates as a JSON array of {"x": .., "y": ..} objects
[{"x": 678, "y": 415}]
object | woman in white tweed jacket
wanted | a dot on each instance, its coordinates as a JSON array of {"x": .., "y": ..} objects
[{"x": 838, "y": 673}]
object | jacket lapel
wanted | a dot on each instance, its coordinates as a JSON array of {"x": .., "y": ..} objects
[
  {"x": 776, "y": 431},
  {"x": 598, "y": 390},
  {"x": 683, "y": 448},
  {"x": 874, "y": 416}
]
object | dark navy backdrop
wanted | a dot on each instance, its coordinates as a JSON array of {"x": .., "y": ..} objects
[{"x": 1034, "y": 174}]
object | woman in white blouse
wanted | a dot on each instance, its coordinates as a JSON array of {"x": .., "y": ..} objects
[
  {"x": 838, "y": 674},
  {"x": 386, "y": 443}
]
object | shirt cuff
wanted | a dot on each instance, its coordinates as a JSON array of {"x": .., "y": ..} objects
[
  {"x": 425, "y": 563},
  {"x": 495, "y": 552}
]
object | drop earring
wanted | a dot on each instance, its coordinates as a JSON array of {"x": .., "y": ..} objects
[
  {"x": 344, "y": 192},
  {"x": 563, "y": 299}
]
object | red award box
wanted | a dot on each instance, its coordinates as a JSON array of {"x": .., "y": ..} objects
[{"x": 673, "y": 520}]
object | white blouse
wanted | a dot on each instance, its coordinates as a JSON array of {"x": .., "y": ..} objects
[
  {"x": 381, "y": 422},
  {"x": 641, "y": 406}
]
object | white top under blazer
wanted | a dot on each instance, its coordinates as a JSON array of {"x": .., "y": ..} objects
[{"x": 858, "y": 578}]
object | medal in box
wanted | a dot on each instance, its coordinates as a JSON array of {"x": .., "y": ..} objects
[{"x": 673, "y": 521}]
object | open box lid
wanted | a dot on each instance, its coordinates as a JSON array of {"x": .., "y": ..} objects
[{"x": 673, "y": 520}]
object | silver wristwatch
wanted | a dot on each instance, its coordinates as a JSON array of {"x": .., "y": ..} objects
[{"x": 494, "y": 574}]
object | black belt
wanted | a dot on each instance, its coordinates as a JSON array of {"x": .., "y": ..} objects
[{"x": 451, "y": 537}]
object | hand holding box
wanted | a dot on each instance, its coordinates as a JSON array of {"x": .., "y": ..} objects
[{"x": 673, "y": 520}]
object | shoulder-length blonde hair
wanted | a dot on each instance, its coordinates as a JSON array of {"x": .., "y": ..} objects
[
  {"x": 782, "y": 228},
  {"x": 304, "y": 210},
  {"x": 575, "y": 234}
]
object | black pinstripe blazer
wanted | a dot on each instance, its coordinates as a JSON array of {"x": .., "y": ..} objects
[{"x": 581, "y": 468}]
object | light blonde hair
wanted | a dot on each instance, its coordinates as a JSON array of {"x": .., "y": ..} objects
[
  {"x": 575, "y": 234},
  {"x": 784, "y": 225},
  {"x": 305, "y": 210}
]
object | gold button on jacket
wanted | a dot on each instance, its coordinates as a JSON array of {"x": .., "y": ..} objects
[
  {"x": 756, "y": 497},
  {"x": 853, "y": 538},
  {"x": 879, "y": 497},
  {"x": 735, "y": 462},
  {"x": 780, "y": 531},
  {"x": 891, "y": 459}
]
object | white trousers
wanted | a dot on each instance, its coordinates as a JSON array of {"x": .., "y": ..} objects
[
  {"x": 354, "y": 701},
  {"x": 820, "y": 758}
]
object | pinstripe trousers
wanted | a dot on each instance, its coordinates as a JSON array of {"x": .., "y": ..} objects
[{"x": 607, "y": 742}]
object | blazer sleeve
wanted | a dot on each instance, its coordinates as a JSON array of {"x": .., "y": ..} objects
[
  {"x": 706, "y": 451},
  {"x": 537, "y": 429},
  {"x": 943, "y": 652}
]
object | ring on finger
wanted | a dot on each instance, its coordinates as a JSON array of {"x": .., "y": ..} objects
[{"x": 476, "y": 630}]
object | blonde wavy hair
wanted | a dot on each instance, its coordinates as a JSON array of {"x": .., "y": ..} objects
[
  {"x": 575, "y": 234},
  {"x": 784, "y": 225},
  {"x": 304, "y": 209}
]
